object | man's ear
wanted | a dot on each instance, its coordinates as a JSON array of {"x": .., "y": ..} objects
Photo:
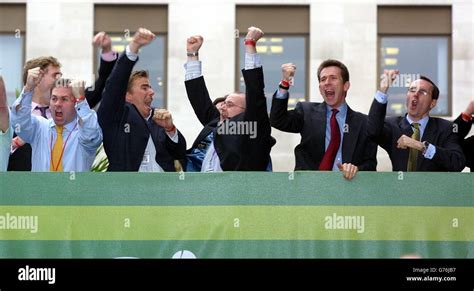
[
  {"x": 433, "y": 103},
  {"x": 128, "y": 97}
]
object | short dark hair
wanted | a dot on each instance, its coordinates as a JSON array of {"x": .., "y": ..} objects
[
  {"x": 135, "y": 75},
  {"x": 435, "y": 91},
  {"x": 42, "y": 62},
  {"x": 334, "y": 63},
  {"x": 219, "y": 100}
]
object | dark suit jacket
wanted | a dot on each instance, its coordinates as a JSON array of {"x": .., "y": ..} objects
[
  {"x": 236, "y": 152},
  {"x": 468, "y": 143},
  {"x": 309, "y": 119},
  {"x": 20, "y": 160},
  {"x": 126, "y": 132},
  {"x": 438, "y": 132}
]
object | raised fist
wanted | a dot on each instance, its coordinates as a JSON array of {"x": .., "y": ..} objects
[
  {"x": 78, "y": 89},
  {"x": 288, "y": 71},
  {"x": 103, "y": 40},
  {"x": 33, "y": 79},
  {"x": 194, "y": 43},
  {"x": 387, "y": 79},
  {"x": 141, "y": 38},
  {"x": 254, "y": 33}
]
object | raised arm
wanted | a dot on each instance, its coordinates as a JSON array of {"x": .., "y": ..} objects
[
  {"x": 195, "y": 86},
  {"x": 280, "y": 117},
  {"x": 107, "y": 61},
  {"x": 113, "y": 97}
]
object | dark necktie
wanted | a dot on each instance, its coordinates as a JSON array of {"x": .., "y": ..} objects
[
  {"x": 331, "y": 152},
  {"x": 42, "y": 110},
  {"x": 413, "y": 153}
]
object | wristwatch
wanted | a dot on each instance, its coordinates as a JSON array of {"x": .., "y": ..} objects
[
  {"x": 425, "y": 147},
  {"x": 192, "y": 54}
]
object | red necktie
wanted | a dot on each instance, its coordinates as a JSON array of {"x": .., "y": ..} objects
[{"x": 331, "y": 152}]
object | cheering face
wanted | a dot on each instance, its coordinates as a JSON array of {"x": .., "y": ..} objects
[
  {"x": 419, "y": 99},
  {"x": 233, "y": 105},
  {"x": 141, "y": 95},
  {"x": 332, "y": 87},
  {"x": 62, "y": 104}
]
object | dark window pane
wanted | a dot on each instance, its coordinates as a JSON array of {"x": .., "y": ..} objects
[
  {"x": 415, "y": 56},
  {"x": 152, "y": 59},
  {"x": 275, "y": 51}
]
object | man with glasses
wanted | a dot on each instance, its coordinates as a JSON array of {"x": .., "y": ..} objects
[
  {"x": 416, "y": 141},
  {"x": 217, "y": 147}
]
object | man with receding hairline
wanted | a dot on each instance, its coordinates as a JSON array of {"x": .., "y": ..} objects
[{"x": 416, "y": 141}]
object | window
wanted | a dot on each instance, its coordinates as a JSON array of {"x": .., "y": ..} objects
[
  {"x": 283, "y": 42},
  {"x": 12, "y": 35},
  {"x": 274, "y": 51},
  {"x": 151, "y": 58},
  {"x": 121, "y": 21},
  {"x": 415, "y": 56},
  {"x": 417, "y": 41}
]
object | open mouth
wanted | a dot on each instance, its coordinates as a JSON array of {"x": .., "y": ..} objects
[
  {"x": 58, "y": 114},
  {"x": 414, "y": 103},
  {"x": 329, "y": 93}
]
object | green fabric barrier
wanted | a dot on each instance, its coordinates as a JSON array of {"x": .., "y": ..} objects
[{"x": 236, "y": 215}]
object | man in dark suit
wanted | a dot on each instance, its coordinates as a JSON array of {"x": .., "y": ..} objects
[
  {"x": 416, "y": 141},
  {"x": 137, "y": 137},
  {"x": 464, "y": 123},
  {"x": 20, "y": 158},
  {"x": 218, "y": 147},
  {"x": 333, "y": 136}
]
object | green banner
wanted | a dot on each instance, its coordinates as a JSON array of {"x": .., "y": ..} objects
[{"x": 232, "y": 215}]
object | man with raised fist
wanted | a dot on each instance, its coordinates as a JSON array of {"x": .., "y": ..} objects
[
  {"x": 333, "y": 136},
  {"x": 137, "y": 137},
  {"x": 5, "y": 130},
  {"x": 66, "y": 142},
  {"x": 216, "y": 148},
  {"x": 416, "y": 141},
  {"x": 464, "y": 124}
]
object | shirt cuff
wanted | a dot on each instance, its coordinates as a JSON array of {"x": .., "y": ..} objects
[
  {"x": 109, "y": 57},
  {"x": 430, "y": 152},
  {"x": 82, "y": 108},
  {"x": 193, "y": 70},
  {"x": 131, "y": 56},
  {"x": 281, "y": 95},
  {"x": 381, "y": 97},
  {"x": 252, "y": 61},
  {"x": 175, "y": 136}
]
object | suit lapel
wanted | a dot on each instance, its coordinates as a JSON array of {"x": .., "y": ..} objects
[
  {"x": 350, "y": 136},
  {"x": 318, "y": 122}
]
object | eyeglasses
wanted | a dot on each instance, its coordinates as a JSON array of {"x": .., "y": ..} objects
[
  {"x": 420, "y": 91},
  {"x": 230, "y": 104}
]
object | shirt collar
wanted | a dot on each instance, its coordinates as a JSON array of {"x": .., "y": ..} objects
[
  {"x": 342, "y": 110},
  {"x": 422, "y": 121},
  {"x": 69, "y": 127}
]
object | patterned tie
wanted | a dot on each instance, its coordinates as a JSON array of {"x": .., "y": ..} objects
[
  {"x": 331, "y": 152},
  {"x": 56, "y": 154},
  {"x": 413, "y": 155}
]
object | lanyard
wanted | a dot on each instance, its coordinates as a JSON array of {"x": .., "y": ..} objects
[{"x": 55, "y": 168}]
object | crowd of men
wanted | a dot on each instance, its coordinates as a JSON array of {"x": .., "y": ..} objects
[{"x": 51, "y": 126}]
